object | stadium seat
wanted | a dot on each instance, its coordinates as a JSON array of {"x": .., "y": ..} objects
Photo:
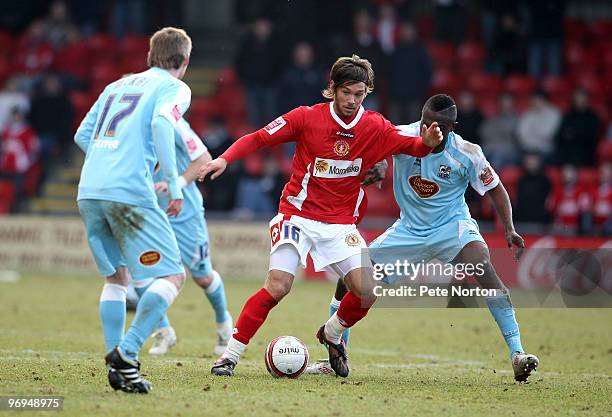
[
  {"x": 521, "y": 102},
  {"x": 103, "y": 74},
  {"x": 472, "y": 54},
  {"x": 446, "y": 81},
  {"x": 600, "y": 29},
  {"x": 133, "y": 63},
  {"x": 425, "y": 26},
  {"x": 510, "y": 176},
  {"x": 591, "y": 82},
  {"x": 227, "y": 78},
  {"x": 6, "y": 44},
  {"x": 575, "y": 30},
  {"x": 587, "y": 177},
  {"x": 577, "y": 58},
  {"x": 482, "y": 83},
  {"x": 487, "y": 104},
  {"x": 134, "y": 46},
  {"x": 82, "y": 102},
  {"x": 203, "y": 108},
  {"x": 442, "y": 54},
  {"x": 554, "y": 174},
  {"x": 7, "y": 196},
  {"x": 5, "y": 71},
  {"x": 32, "y": 179},
  {"x": 518, "y": 84},
  {"x": 604, "y": 151},
  {"x": 103, "y": 48},
  {"x": 556, "y": 86}
]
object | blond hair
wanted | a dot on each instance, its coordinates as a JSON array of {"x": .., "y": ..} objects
[
  {"x": 349, "y": 70},
  {"x": 169, "y": 48}
]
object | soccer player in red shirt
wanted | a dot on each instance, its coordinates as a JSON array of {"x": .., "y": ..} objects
[{"x": 337, "y": 142}]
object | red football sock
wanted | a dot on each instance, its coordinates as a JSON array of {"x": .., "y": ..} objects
[
  {"x": 352, "y": 309},
  {"x": 253, "y": 315}
]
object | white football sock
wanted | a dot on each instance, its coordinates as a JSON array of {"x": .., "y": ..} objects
[
  {"x": 334, "y": 329},
  {"x": 234, "y": 350}
]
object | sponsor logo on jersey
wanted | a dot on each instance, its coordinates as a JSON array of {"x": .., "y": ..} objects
[
  {"x": 176, "y": 112},
  {"x": 345, "y": 134},
  {"x": 422, "y": 187},
  {"x": 341, "y": 148},
  {"x": 444, "y": 171},
  {"x": 192, "y": 146},
  {"x": 352, "y": 239},
  {"x": 486, "y": 176},
  {"x": 275, "y": 125},
  {"x": 332, "y": 168},
  {"x": 150, "y": 257}
]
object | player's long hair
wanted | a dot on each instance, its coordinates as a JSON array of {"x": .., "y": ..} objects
[
  {"x": 169, "y": 48},
  {"x": 349, "y": 70}
]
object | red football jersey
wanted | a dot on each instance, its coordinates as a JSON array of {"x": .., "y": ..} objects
[{"x": 331, "y": 158}]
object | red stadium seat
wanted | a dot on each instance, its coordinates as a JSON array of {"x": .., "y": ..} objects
[
  {"x": 575, "y": 30},
  {"x": 134, "y": 46},
  {"x": 517, "y": 84},
  {"x": 132, "y": 64},
  {"x": 425, "y": 26},
  {"x": 521, "y": 102},
  {"x": 510, "y": 176},
  {"x": 227, "y": 78},
  {"x": 587, "y": 177},
  {"x": 442, "y": 54},
  {"x": 103, "y": 48},
  {"x": 590, "y": 82},
  {"x": 446, "y": 81},
  {"x": 7, "y": 196},
  {"x": 579, "y": 58},
  {"x": 482, "y": 83},
  {"x": 6, "y": 44},
  {"x": 81, "y": 102},
  {"x": 556, "y": 86},
  {"x": 5, "y": 71},
  {"x": 203, "y": 108},
  {"x": 487, "y": 104},
  {"x": 472, "y": 52},
  {"x": 554, "y": 174},
  {"x": 600, "y": 29},
  {"x": 604, "y": 151},
  {"x": 32, "y": 178}
]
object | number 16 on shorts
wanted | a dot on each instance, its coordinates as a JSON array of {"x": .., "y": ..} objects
[{"x": 283, "y": 232}]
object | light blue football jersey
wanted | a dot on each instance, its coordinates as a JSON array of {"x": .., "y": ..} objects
[
  {"x": 116, "y": 135},
  {"x": 430, "y": 190},
  {"x": 189, "y": 147}
]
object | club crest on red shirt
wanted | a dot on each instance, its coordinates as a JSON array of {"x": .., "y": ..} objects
[{"x": 341, "y": 147}]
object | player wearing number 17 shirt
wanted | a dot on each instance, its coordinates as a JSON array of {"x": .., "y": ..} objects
[
  {"x": 128, "y": 129},
  {"x": 336, "y": 144}
]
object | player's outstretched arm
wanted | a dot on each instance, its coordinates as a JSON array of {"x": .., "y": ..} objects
[
  {"x": 216, "y": 167},
  {"x": 432, "y": 135},
  {"x": 501, "y": 201},
  {"x": 163, "y": 139}
]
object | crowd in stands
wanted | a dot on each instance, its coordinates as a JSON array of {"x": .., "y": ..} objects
[{"x": 534, "y": 92}]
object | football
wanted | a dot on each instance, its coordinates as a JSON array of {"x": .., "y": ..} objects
[{"x": 286, "y": 356}]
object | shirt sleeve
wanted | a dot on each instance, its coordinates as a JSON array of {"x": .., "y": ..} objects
[
  {"x": 172, "y": 101},
  {"x": 286, "y": 128},
  {"x": 481, "y": 174},
  {"x": 187, "y": 139},
  {"x": 398, "y": 141},
  {"x": 85, "y": 131}
]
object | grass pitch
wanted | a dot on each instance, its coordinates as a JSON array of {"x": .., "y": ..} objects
[{"x": 403, "y": 361}]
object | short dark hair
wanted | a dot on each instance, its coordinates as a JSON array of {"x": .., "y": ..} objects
[
  {"x": 439, "y": 102},
  {"x": 349, "y": 70}
]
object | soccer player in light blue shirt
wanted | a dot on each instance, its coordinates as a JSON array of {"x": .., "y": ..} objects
[
  {"x": 128, "y": 129},
  {"x": 435, "y": 222},
  {"x": 192, "y": 236}
]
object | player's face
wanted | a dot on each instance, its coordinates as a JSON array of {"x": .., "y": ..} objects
[
  {"x": 444, "y": 123},
  {"x": 348, "y": 98}
]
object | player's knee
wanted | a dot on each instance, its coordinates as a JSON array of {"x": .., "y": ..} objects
[
  {"x": 278, "y": 284},
  {"x": 203, "y": 282},
  {"x": 178, "y": 280}
]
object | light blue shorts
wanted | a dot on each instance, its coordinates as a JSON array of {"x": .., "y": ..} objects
[
  {"x": 192, "y": 238},
  {"x": 443, "y": 243},
  {"x": 137, "y": 237}
]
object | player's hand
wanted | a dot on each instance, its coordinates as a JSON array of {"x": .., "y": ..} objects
[
  {"x": 216, "y": 166},
  {"x": 432, "y": 135},
  {"x": 174, "y": 208},
  {"x": 514, "y": 239},
  {"x": 376, "y": 174},
  {"x": 161, "y": 187}
]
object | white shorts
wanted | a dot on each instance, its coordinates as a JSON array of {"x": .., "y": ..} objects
[{"x": 337, "y": 248}]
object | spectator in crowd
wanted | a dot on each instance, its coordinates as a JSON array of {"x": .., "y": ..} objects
[
  {"x": 71, "y": 61},
  {"x": 128, "y": 16},
  {"x": 258, "y": 188},
  {"x": 259, "y": 66},
  {"x": 410, "y": 72},
  {"x": 365, "y": 44},
  {"x": 545, "y": 36},
  {"x": 220, "y": 193},
  {"x": 451, "y": 21},
  {"x": 498, "y": 134},
  {"x": 12, "y": 98},
  {"x": 51, "y": 116},
  {"x": 469, "y": 118},
  {"x": 33, "y": 56},
  {"x": 387, "y": 30},
  {"x": 534, "y": 187},
  {"x": 303, "y": 80},
  {"x": 58, "y": 24},
  {"x": 538, "y": 126},
  {"x": 569, "y": 202},
  {"x": 576, "y": 140},
  {"x": 19, "y": 149},
  {"x": 506, "y": 54},
  {"x": 601, "y": 201}
]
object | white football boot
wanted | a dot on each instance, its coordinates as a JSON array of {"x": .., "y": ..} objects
[
  {"x": 523, "y": 364},
  {"x": 224, "y": 333},
  {"x": 164, "y": 340},
  {"x": 320, "y": 367}
]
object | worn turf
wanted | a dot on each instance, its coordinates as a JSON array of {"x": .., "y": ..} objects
[{"x": 404, "y": 362}]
